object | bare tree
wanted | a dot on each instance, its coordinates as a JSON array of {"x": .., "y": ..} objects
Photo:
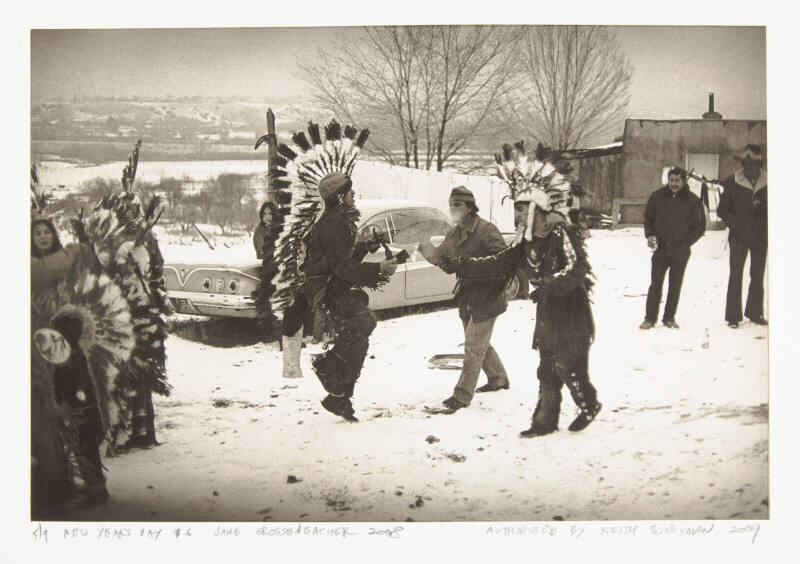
[
  {"x": 424, "y": 91},
  {"x": 573, "y": 86}
]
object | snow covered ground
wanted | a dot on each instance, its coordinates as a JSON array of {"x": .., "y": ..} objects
[{"x": 683, "y": 433}]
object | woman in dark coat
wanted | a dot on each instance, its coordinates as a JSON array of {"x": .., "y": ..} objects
[
  {"x": 50, "y": 478},
  {"x": 264, "y": 236},
  {"x": 266, "y": 232},
  {"x": 64, "y": 411}
]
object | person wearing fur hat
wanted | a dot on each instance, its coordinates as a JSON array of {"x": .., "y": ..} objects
[
  {"x": 334, "y": 278},
  {"x": 743, "y": 208},
  {"x": 551, "y": 252},
  {"x": 473, "y": 236}
]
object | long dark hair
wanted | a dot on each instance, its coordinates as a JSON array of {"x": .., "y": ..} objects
[
  {"x": 56, "y": 240},
  {"x": 272, "y": 207}
]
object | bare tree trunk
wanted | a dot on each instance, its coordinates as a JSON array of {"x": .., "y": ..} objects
[
  {"x": 425, "y": 90},
  {"x": 574, "y": 85}
]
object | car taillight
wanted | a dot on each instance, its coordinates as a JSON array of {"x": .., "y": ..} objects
[
  {"x": 220, "y": 285},
  {"x": 233, "y": 285},
  {"x": 207, "y": 284}
]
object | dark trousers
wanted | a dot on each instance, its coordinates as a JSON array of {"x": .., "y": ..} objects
[
  {"x": 662, "y": 260},
  {"x": 82, "y": 426},
  {"x": 143, "y": 427},
  {"x": 553, "y": 372},
  {"x": 304, "y": 313},
  {"x": 50, "y": 477},
  {"x": 754, "y": 308},
  {"x": 353, "y": 323}
]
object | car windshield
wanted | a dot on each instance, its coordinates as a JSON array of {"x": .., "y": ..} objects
[{"x": 410, "y": 226}]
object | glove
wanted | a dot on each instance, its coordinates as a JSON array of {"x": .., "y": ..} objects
[{"x": 450, "y": 264}]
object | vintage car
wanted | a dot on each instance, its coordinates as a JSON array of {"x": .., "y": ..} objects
[{"x": 224, "y": 288}]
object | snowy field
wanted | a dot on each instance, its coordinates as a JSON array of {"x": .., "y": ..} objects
[
  {"x": 55, "y": 173},
  {"x": 683, "y": 433}
]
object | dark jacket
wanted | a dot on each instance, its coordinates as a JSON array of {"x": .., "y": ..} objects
[
  {"x": 333, "y": 258},
  {"x": 743, "y": 208},
  {"x": 677, "y": 220},
  {"x": 478, "y": 239},
  {"x": 264, "y": 241},
  {"x": 558, "y": 267}
]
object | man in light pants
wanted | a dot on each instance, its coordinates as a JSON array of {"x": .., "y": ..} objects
[{"x": 478, "y": 306}]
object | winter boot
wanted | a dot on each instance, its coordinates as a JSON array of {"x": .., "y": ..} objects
[
  {"x": 143, "y": 428},
  {"x": 340, "y": 406},
  {"x": 545, "y": 416},
  {"x": 291, "y": 354},
  {"x": 584, "y": 418},
  {"x": 329, "y": 369},
  {"x": 585, "y": 397}
]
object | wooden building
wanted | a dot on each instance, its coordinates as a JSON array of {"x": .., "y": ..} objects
[{"x": 620, "y": 177}]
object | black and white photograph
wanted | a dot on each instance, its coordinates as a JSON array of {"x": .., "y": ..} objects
[{"x": 397, "y": 274}]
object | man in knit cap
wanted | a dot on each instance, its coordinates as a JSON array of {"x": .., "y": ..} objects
[{"x": 473, "y": 236}]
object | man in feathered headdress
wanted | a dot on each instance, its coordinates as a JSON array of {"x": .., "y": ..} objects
[
  {"x": 120, "y": 230},
  {"x": 319, "y": 262},
  {"x": 551, "y": 251}
]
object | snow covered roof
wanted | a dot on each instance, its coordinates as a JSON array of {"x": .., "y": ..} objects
[{"x": 607, "y": 146}]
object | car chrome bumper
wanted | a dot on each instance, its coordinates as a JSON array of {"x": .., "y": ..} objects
[{"x": 194, "y": 303}]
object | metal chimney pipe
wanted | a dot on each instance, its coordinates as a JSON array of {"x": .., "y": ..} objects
[{"x": 711, "y": 102}]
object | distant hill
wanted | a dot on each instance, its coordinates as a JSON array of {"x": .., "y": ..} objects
[
  {"x": 99, "y": 131},
  {"x": 102, "y": 130}
]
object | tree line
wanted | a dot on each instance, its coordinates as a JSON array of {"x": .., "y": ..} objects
[
  {"x": 428, "y": 93},
  {"x": 228, "y": 201}
]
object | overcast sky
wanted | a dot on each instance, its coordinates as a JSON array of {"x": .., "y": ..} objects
[{"x": 674, "y": 67}]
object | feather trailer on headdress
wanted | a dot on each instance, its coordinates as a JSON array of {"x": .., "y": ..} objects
[
  {"x": 120, "y": 230},
  {"x": 38, "y": 197},
  {"x": 296, "y": 173},
  {"x": 86, "y": 311}
]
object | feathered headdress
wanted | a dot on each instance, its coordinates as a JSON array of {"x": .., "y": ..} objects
[
  {"x": 119, "y": 229},
  {"x": 541, "y": 181},
  {"x": 296, "y": 173},
  {"x": 87, "y": 311},
  {"x": 38, "y": 197}
]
